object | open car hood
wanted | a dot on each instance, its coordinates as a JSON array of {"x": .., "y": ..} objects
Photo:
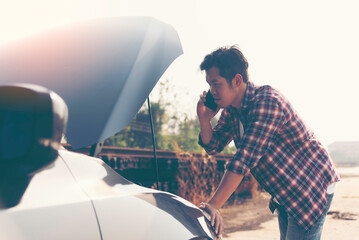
[{"x": 104, "y": 69}]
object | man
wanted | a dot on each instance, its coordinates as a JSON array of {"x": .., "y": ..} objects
[{"x": 272, "y": 142}]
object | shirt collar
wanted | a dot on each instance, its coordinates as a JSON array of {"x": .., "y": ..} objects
[
  {"x": 248, "y": 95},
  {"x": 247, "y": 99}
]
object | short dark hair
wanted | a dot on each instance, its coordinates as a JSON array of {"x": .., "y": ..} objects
[{"x": 229, "y": 61}]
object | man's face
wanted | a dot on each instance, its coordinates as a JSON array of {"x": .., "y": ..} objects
[{"x": 222, "y": 92}]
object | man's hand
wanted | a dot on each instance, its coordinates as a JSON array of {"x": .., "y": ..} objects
[
  {"x": 216, "y": 217},
  {"x": 204, "y": 113},
  {"x": 229, "y": 183}
]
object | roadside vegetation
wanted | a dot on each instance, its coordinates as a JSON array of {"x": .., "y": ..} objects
[{"x": 197, "y": 177}]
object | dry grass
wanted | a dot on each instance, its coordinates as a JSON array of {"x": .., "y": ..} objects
[{"x": 198, "y": 179}]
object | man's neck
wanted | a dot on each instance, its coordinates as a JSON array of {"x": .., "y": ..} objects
[{"x": 237, "y": 103}]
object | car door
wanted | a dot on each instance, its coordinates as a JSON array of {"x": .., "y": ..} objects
[{"x": 53, "y": 207}]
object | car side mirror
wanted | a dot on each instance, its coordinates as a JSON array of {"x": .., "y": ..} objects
[{"x": 32, "y": 123}]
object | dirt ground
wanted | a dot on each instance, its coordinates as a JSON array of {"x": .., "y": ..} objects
[{"x": 251, "y": 219}]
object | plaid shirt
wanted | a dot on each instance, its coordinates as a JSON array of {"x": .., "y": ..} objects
[{"x": 280, "y": 151}]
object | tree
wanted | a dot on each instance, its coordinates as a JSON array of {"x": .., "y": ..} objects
[
  {"x": 174, "y": 131},
  {"x": 185, "y": 138},
  {"x": 138, "y": 133}
]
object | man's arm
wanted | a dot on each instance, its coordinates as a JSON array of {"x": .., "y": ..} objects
[
  {"x": 228, "y": 185},
  {"x": 213, "y": 140},
  {"x": 266, "y": 118},
  {"x": 206, "y": 131},
  {"x": 230, "y": 180}
]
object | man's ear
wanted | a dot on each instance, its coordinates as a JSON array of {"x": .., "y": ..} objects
[{"x": 237, "y": 80}]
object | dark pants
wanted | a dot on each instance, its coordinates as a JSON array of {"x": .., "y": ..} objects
[{"x": 291, "y": 230}]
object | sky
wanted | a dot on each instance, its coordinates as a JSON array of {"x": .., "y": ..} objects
[{"x": 306, "y": 49}]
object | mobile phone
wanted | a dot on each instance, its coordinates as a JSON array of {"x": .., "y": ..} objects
[{"x": 210, "y": 101}]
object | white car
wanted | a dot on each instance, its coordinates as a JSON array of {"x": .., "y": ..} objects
[{"x": 48, "y": 192}]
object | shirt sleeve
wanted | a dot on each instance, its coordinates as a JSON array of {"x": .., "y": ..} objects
[
  {"x": 221, "y": 136},
  {"x": 265, "y": 120}
]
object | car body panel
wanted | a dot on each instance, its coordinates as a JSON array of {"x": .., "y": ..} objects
[
  {"x": 53, "y": 207},
  {"x": 131, "y": 211},
  {"x": 85, "y": 199}
]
